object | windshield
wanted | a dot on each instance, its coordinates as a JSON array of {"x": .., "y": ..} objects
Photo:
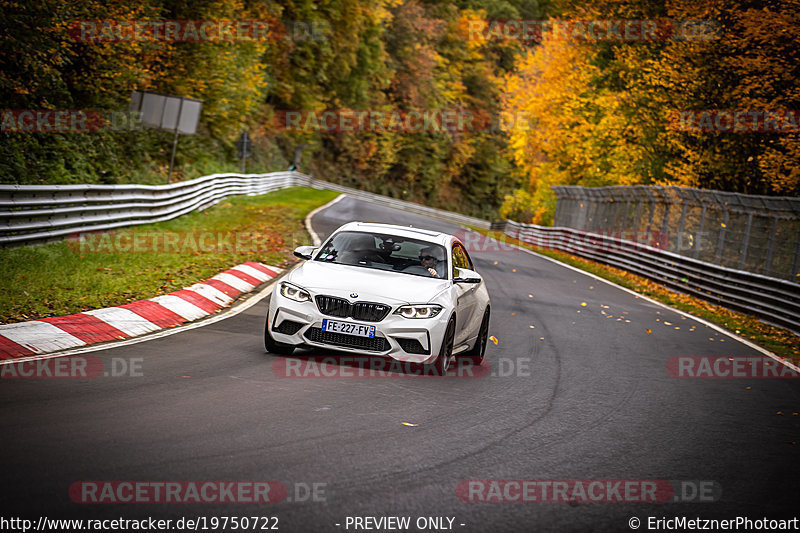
[{"x": 386, "y": 252}]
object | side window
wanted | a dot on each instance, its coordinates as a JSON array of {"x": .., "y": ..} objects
[{"x": 460, "y": 258}]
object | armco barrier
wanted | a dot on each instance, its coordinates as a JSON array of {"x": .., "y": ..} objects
[
  {"x": 775, "y": 300},
  {"x": 35, "y": 213}
]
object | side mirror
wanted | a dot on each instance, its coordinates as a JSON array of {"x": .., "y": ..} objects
[
  {"x": 304, "y": 252},
  {"x": 464, "y": 275}
]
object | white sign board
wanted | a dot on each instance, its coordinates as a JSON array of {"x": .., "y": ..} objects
[{"x": 167, "y": 112}]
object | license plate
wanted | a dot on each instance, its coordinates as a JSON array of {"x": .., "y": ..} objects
[{"x": 348, "y": 328}]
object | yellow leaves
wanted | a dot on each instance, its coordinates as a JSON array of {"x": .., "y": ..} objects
[{"x": 564, "y": 129}]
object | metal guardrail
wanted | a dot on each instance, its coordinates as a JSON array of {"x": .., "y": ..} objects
[
  {"x": 37, "y": 213},
  {"x": 775, "y": 300}
]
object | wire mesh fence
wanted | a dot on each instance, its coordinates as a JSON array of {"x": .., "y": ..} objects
[{"x": 759, "y": 234}]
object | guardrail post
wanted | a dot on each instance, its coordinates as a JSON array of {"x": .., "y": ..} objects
[
  {"x": 773, "y": 228},
  {"x": 638, "y": 215},
  {"x": 584, "y": 207},
  {"x": 700, "y": 231},
  {"x": 602, "y": 215},
  {"x": 796, "y": 255},
  {"x": 591, "y": 213},
  {"x": 563, "y": 207},
  {"x": 627, "y": 217},
  {"x": 681, "y": 225},
  {"x": 652, "y": 202},
  {"x": 746, "y": 241},
  {"x": 721, "y": 240}
]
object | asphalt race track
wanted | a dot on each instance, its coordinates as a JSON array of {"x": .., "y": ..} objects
[{"x": 584, "y": 394}]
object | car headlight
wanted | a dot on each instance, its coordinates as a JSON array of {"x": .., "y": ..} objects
[
  {"x": 293, "y": 292},
  {"x": 419, "y": 311}
]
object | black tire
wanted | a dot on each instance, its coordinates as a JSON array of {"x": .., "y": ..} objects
[
  {"x": 272, "y": 346},
  {"x": 477, "y": 353},
  {"x": 442, "y": 363}
]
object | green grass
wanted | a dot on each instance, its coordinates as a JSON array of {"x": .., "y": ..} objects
[
  {"x": 113, "y": 268},
  {"x": 780, "y": 341}
]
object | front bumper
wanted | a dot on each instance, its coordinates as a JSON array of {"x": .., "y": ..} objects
[{"x": 411, "y": 340}]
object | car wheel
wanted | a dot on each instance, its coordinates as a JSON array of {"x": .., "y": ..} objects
[
  {"x": 442, "y": 363},
  {"x": 477, "y": 353},
  {"x": 272, "y": 345}
]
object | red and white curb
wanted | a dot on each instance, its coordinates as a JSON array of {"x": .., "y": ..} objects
[{"x": 133, "y": 319}]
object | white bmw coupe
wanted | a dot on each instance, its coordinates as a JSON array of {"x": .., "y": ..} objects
[{"x": 393, "y": 291}]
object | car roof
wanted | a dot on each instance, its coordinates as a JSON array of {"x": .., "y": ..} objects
[{"x": 401, "y": 231}]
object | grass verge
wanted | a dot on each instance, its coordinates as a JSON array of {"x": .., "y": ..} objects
[
  {"x": 780, "y": 341},
  {"x": 117, "y": 267}
]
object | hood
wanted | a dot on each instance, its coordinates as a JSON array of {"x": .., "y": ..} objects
[{"x": 371, "y": 285}]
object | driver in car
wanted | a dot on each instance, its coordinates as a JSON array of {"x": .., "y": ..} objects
[{"x": 428, "y": 259}]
